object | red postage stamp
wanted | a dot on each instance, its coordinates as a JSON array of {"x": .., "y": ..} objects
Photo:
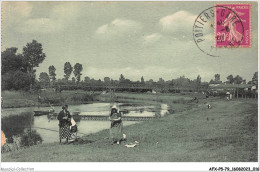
[{"x": 232, "y": 25}]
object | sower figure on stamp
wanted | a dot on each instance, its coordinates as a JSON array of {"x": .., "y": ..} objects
[
  {"x": 116, "y": 127},
  {"x": 64, "y": 118}
]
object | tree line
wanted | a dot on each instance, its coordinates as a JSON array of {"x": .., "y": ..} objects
[
  {"x": 49, "y": 80},
  {"x": 19, "y": 73}
]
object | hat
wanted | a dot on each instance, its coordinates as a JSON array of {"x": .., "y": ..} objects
[{"x": 114, "y": 107}]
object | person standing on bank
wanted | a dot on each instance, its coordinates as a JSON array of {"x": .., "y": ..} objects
[
  {"x": 64, "y": 118},
  {"x": 116, "y": 127}
]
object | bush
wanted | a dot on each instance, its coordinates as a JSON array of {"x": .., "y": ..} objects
[
  {"x": 7, "y": 83},
  {"x": 17, "y": 80},
  {"x": 30, "y": 137},
  {"x": 15, "y": 124},
  {"x": 81, "y": 98},
  {"x": 52, "y": 100}
]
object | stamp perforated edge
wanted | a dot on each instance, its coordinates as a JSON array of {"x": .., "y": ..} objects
[{"x": 250, "y": 28}]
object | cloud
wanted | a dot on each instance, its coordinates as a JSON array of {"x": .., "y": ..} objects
[
  {"x": 152, "y": 38},
  {"x": 18, "y": 9},
  {"x": 60, "y": 17},
  {"x": 102, "y": 29},
  {"x": 20, "y": 16},
  {"x": 40, "y": 25},
  {"x": 66, "y": 10},
  {"x": 179, "y": 22},
  {"x": 15, "y": 12},
  {"x": 119, "y": 27}
]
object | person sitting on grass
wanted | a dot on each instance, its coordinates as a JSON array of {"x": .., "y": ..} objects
[
  {"x": 64, "y": 118},
  {"x": 116, "y": 127}
]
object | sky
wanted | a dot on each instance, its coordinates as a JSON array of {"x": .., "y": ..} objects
[{"x": 149, "y": 39}]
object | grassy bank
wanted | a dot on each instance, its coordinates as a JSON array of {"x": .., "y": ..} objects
[
  {"x": 16, "y": 99},
  {"x": 159, "y": 97},
  {"x": 227, "y": 132}
]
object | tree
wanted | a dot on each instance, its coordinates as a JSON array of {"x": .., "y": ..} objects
[
  {"x": 99, "y": 82},
  {"x": 230, "y": 79},
  {"x": 11, "y": 61},
  {"x": 127, "y": 81},
  {"x": 150, "y": 82},
  {"x": 255, "y": 78},
  {"x": 238, "y": 79},
  {"x": 122, "y": 78},
  {"x": 107, "y": 80},
  {"x": 217, "y": 78},
  {"x": 181, "y": 81},
  {"x": 33, "y": 56},
  {"x": 73, "y": 80},
  {"x": 198, "y": 80},
  {"x": 14, "y": 75},
  {"x": 21, "y": 81},
  {"x": 77, "y": 71},
  {"x": 142, "y": 80},
  {"x": 161, "y": 81},
  {"x": 67, "y": 70},
  {"x": 211, "y": 81},
  {"x": 87, "y": 79},
  {"x": 7, "y": 81},
  {"x": 44, "y": 79},
  {"x": 52, "y": 73},
  {"x": 250, "y": 82}
]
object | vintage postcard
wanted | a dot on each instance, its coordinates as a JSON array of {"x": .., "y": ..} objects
[{"x": 129, "y": 81}]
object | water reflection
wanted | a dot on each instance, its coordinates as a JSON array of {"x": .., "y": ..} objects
[{"x": 16, "y": 124}]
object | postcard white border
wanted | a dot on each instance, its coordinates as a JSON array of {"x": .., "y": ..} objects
[{"x": 128, "y": 166}]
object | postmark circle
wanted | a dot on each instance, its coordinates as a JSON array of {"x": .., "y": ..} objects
[{"x": 217, "y": 27}]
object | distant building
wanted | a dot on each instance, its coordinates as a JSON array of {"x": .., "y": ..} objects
[{"x": 239, "y": 90}]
